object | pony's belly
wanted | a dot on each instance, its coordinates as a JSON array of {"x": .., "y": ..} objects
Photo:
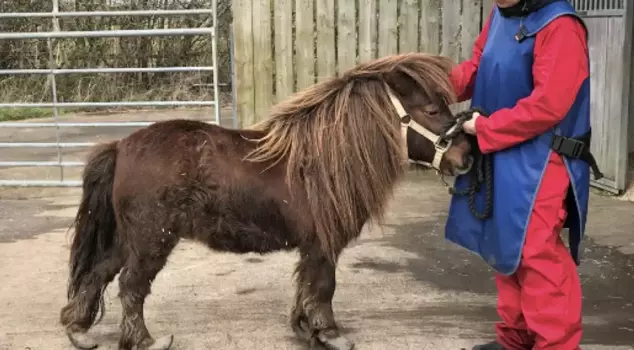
[
  {"x": 240, "y": 223},
  {"x": 230, "y": 234}
]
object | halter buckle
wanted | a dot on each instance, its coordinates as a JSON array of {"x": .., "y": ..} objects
[{"x": 440, "y": 147}]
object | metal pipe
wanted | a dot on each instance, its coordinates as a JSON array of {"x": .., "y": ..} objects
[
  {"x": 52, "y": 64},
  {"x": 106, "y": 13},
  {"x": 108, "y": 33},
  {"x": 214, "y": 53},
  {"x": 234, "y": 92},
  {"x": 40, "y": 163},
  {"x": 107, "y": 104},
  {"x": 40, "y": 183},
  {"x": 78, "y": 125},
  {"x": 104, "y": 70},
  {"x": 46, "y": 144},
  {"x": 601, "y": 13}
]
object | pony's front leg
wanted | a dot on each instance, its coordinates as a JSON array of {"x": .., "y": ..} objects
[{"x": 312, "y": 317}]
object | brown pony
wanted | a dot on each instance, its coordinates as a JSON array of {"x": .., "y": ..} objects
[{"x": 307, "y": 178}]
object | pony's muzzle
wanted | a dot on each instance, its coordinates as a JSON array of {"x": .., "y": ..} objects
[{"x": 468, "y": 165}]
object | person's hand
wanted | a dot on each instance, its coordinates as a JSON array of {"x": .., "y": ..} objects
[{"x": 470, "y": 125}]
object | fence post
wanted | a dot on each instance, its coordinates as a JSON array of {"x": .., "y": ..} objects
[
  {"x": 214, "y": 58},
  {"x": 234, "y": 98},
  {"x": 243, "y": 39},
  {"x": 52, "y": 64}
]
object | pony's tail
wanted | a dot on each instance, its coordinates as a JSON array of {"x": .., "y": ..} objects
[{"x": 94, "y": 257}]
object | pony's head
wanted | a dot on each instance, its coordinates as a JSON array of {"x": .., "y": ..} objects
[{"x": 420, "y": 93}]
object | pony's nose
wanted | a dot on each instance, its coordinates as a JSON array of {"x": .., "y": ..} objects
[{"x": 467, "y": 164}]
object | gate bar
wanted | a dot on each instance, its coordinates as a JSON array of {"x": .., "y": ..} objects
[
  {"x": 107, "y": 104},
  {"x": 107, "y": 13},
  {"x": 46, "y": 144},
  {"x": 40, "y": 163},
  {"x": 108, "y": 33},
  {"x": 104, "y": 70},
  {"x": 80, "y": 124},
  {"x": 41, "y": 183}
]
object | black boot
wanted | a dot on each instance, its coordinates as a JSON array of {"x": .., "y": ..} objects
[{"x": 489, "y": 346}]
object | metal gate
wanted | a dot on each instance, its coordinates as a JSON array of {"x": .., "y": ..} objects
[
  {"x": 609, "y": 25},
  {"x": 53, "y": 71}
]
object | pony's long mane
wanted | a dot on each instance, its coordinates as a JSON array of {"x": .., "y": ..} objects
[{"x": 341, "y": 141}]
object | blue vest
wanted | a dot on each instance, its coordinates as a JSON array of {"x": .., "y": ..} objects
[{"x": 504, "y": 76}]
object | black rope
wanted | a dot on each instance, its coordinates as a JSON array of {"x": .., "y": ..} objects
[{"x": 481, "y": 172}]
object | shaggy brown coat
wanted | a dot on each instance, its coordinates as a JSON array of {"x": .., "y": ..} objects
[{"x": 309, "y": 177}]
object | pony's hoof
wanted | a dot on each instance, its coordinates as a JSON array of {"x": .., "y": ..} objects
[
  {"x": 162, "y": 343},
  {"x": 301, "y": 328},
  {"x": 82, "y": 341},
  {"x": 335, "y": 343}
]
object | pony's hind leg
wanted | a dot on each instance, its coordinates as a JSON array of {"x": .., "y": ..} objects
[
  {"x": 134, "y": 286},
  {"x": 312, "y": 317},
  {"x": 85, "y": 301}
]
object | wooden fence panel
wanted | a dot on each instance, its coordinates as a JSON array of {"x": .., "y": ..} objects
[
  {"x": 326, "y": 45},
  {"x": 487, "y": 7},
  {"x": 302, "y": 41},
  {"x": 388, "y": 27},
  {"x": 304, "y": 44},
  {"x": 282, "y": 46},
  {"x": 605, "y": 42},
  {"x": 262, "y": 58},
  {"x": 367, "y": 30},
  {"x": 408, "y": 26},
  {"x": 451, "y": 23},
  {"x": 346, "y": 35},
  {"x": 430, "y": 22},
  {"x": 283, "y": 28},
  {"x": 470, "y": 29},
  {"x": 243, "y": 60}
]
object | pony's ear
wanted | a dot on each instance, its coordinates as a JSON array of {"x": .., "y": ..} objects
[{"x": 400, "y": 83}]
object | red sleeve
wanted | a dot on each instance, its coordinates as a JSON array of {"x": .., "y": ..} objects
[
  {"x": 463, "y": 75},
  {"x": 560, "y": 66}
]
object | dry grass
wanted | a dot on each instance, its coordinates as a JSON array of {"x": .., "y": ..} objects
[{"x": 111, "y": 52}]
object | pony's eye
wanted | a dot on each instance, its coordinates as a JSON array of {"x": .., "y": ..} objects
[{"x": 431, "y": 109}]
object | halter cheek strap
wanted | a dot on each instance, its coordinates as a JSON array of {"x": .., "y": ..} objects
[{"x": 407, "y": 122}]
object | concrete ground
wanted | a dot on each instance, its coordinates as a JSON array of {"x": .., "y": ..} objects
[{"x": 401, "y": 286}]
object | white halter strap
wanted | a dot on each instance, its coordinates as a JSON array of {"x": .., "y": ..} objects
[{"x": 407, "y": 122}]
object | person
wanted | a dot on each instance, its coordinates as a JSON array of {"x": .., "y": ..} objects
[{"x": 529, "y": 76}]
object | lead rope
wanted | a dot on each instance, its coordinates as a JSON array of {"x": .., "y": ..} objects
[{"x": 480, "y": 173}]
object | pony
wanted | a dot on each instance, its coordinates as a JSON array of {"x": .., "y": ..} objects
[{"x": 307, "y": 178}]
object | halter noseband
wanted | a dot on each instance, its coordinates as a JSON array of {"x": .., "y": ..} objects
[{"x": 441, "y": 144}]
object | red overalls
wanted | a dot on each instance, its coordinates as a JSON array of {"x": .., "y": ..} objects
[{"x": 540, "y": 304}]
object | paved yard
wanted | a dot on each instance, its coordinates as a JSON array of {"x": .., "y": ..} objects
[{"x": 401, "y": 286}]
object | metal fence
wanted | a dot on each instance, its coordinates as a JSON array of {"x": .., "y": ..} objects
[{"x": 53, "y": 71}]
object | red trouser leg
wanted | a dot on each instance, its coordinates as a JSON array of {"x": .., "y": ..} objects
[
  {"x": 512, "y": 331},
  {"x": 540, "y": 305}
]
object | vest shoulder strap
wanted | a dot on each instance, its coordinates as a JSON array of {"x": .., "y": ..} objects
[{"x": 535, "y": 22}]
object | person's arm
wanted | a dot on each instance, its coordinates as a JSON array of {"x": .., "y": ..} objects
[
  {"x": 559, "y": 69},
  {"x": 463, "y": 75}
]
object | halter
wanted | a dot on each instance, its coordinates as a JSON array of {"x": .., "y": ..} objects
[{"x": 441, "y": 144}]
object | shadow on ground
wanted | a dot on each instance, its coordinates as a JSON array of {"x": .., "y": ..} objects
[{"x": 607, "y": 280}]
